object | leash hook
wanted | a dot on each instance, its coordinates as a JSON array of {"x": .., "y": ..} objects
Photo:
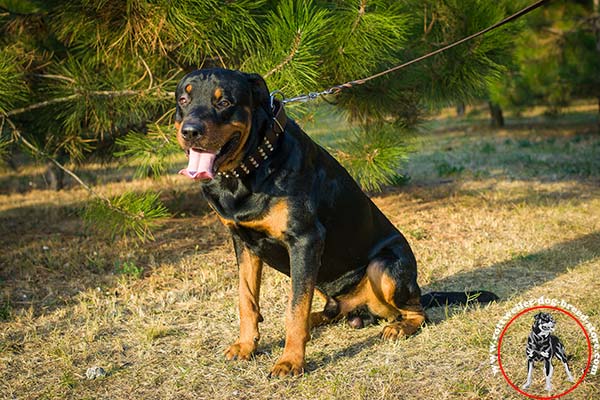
[{"x": 273, "y": 95}]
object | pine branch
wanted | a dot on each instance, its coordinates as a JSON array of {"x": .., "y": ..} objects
[
  {"x": 135, "y": 215},
  {"x": 31, "y": 107},
  {"x": 359, "y": 15},
  {"x": 54, "y": 76},
  {"x": 290, "y": 57},
  {"x": 35, "y": 150},
  {"x": 107, "y": 93}
]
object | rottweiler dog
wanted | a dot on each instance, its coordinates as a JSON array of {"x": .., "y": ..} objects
[
  {"x": 543, "y": 346},
  {"x": 290, "y": 204}
]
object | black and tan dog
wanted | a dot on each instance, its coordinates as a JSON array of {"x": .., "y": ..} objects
[
  {"x": 543, "y": 346},
  {"x": 288, "y": 203}
]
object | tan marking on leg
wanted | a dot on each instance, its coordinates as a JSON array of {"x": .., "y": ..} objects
[
  {"x": 320, "y": 318},
  {"x": 376, "y": 290},
  {"x": 356, "y": 298},
  {"x": 368, "y": 292},
  {"x": 413, "y": 317},
  {"x": 227, "y": 222},
  {"x": 250, "y": 270},
  {"x": 321, "y": 294},
  {"x": 383, "y": 287},
  {"x": 297, "y": 335},
  {"x": 412, "y": 313}
]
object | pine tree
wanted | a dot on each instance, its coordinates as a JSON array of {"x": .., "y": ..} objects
[
  {"x": 80, "y": 75},
  {"x": 556, "y": 58}
]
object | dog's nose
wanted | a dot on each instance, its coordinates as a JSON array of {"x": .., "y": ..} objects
[{"x": 190, "y": 131}]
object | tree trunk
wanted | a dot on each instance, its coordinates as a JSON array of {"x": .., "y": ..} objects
[
  {"x": 55, "y": 177},
  {"x": 460, "y": 109},
  {"x": 598, "y": 114},
  {"x": 597, "y": 31},
  {"x": 497, "y": 119}
]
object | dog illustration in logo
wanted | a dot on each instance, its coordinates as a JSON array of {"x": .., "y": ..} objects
[{"x": 543, "y": 346}]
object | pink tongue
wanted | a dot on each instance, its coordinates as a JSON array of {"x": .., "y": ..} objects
[{"x": 200, "y": 165}]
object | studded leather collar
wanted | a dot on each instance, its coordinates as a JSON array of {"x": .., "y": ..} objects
[{"x": 266, "y": 148}]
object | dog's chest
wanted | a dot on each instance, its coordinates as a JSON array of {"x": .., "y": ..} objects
[
  {"x": 540, "y": 344},
  {"x": 271, "y": 222}
]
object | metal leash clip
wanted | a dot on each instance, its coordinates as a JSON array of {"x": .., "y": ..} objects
[{"x": 273, "y": 95}]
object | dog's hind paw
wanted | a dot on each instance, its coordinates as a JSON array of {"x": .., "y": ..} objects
[{"x": 398, "y": 330}]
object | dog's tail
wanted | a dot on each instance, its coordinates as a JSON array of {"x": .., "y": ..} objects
[{"x": 439, "y": 299}]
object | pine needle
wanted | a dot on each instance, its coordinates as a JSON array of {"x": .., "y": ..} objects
[
  {"x": 373, "y": 156},
  {"x": 129, "y": 214},
  {"x": 149, "y": 152}
]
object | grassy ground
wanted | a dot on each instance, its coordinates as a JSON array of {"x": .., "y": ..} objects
[{"x": 515, "y": 211}]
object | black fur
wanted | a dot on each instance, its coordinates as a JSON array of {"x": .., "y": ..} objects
[{"x": 334, "y": 231}]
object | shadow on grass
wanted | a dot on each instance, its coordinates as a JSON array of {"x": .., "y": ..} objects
[
  {"x": 48, "y": 256},
  {"x": 427, "y": 196},
  {"x": 525, "y": 271}
]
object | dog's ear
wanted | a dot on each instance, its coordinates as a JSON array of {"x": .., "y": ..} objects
[
  {"x": 260, "y": 92},
  {"x": 538, "y": 316}
]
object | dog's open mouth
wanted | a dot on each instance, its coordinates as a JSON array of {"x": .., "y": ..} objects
[{"x": 202, "y": 164}]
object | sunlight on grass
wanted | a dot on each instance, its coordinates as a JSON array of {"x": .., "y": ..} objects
[{"x": 514, "y": 211}]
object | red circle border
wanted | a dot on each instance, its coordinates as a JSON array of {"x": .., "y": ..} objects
[{"x": 585, "y": 372}]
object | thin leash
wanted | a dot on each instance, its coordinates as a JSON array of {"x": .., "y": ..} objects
[{"x": 350, "y": 84}]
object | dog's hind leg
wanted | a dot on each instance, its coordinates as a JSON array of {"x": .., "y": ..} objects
[
  {"x": 568, "y": 371},
  {"x": 548, "y": 370},
  {"x": 390, "y": 291},
  {"x": 561, "y": 354},
  {"x": 529, "y": 374},
  {"x": 330, "y": 313}
]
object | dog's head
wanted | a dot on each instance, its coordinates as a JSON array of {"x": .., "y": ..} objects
[
  {"x": 214, "y": 118},
  {"x": 543, "y": 324}
]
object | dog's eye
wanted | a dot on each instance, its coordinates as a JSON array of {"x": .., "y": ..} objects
[
  {"x": 223, "y": 103},
  {"x": 183, "y": 100}
]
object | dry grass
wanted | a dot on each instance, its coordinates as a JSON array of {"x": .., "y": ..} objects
[{"x": 516, "y": 212}]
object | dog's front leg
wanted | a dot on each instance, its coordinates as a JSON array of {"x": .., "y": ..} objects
[
  {"x": 529, "y": 374},
  {"x": 305, "y": 259},
  {"x": 548, "y": 370},
  {"x": 250, "y": 270}
]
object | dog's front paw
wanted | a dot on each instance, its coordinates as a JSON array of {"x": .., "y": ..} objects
[
  {"x": 548, "y": 387},
  {"x": 525, "y": 385},
  {"x": 287, "y": 368},
  {"x": 240, "y": 351}
]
